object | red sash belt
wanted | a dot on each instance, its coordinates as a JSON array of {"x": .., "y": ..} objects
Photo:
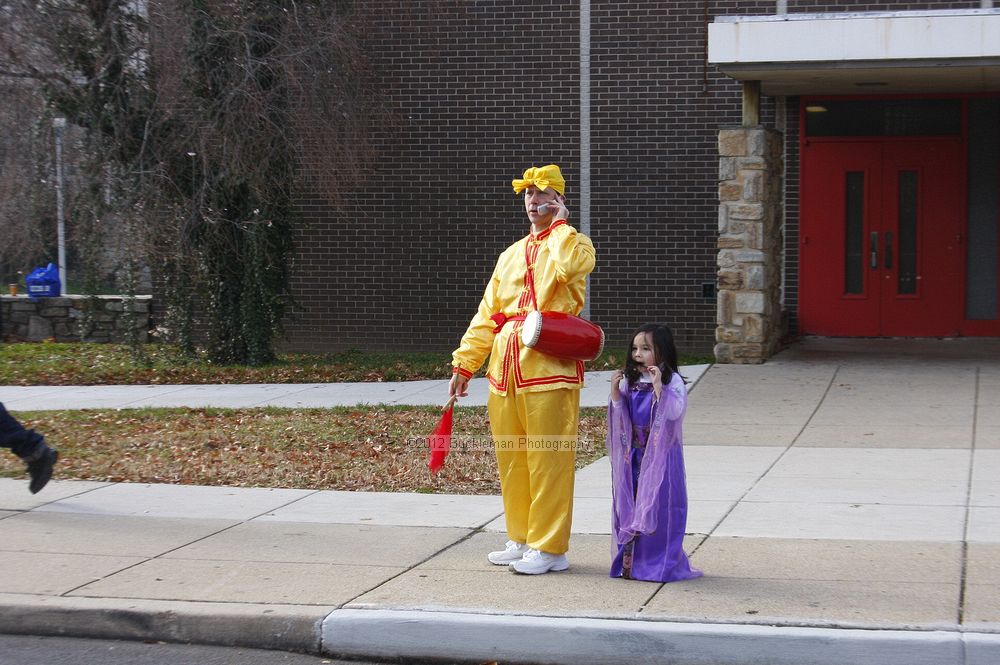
[{"x": 501, "y": 319}]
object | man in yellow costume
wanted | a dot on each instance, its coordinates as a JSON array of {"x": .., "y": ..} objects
[{"x": 534, "y": 402}]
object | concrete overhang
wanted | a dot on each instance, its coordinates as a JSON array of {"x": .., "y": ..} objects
[{"x": 954, "y": 51}]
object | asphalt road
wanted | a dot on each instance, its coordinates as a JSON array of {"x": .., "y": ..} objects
[{"x": 32, "y": 650}]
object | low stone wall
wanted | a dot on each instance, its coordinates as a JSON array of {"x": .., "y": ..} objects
[{"x": 74, "y": 318}]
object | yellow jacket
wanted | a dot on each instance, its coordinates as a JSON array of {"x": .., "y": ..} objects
[{"x": 562, "y": 259}]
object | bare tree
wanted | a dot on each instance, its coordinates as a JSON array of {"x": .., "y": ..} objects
[
  {"x": 196, "y": 116},
  {"x": 25, "y": 224}
]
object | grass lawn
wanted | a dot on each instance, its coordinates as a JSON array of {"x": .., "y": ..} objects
[
  {"x": 364, "y": 449},
  {"x": 55, "y": 364}
]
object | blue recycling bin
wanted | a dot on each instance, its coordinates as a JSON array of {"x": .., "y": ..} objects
[{"x": 43, "y": 282}]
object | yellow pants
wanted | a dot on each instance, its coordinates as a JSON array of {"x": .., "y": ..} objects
[{"x": 535, "y": 439}]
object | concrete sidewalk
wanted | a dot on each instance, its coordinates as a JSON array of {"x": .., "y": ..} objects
[
  {"x": 286, "y": 395},
  {"x": 844, "y": 505}
]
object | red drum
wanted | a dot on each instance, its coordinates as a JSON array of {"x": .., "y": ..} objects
[{"x": 562, "y": 335}]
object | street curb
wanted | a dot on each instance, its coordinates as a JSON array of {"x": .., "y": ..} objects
[
  {"x": 282, "y": 627},
  {"x": 477, "y": 638}
]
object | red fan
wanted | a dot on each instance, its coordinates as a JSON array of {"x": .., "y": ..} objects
[{"x": 439, "y": 442}]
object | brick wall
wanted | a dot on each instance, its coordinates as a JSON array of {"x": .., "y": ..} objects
[
  {"x": 481, "y": 89},
  {"x": 403, "y": 265}
]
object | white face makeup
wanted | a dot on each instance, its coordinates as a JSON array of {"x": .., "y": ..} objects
[{"x": 539, "y": 204}]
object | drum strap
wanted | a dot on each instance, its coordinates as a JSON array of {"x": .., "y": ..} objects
[
  {"x": 530, "y": 274},
  {"x": 500, "y": 319}
]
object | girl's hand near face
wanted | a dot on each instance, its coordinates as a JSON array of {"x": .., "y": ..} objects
[
  {"x": 657, "y": 376},
  {"x": 616, "y": 379}
]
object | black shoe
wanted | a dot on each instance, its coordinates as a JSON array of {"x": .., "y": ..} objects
[{"x": 40, "y": 470}]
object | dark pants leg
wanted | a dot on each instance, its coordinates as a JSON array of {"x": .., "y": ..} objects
[{"x": 22, "y": 442}]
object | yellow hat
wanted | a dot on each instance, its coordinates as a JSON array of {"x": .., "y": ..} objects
[{"x": 541, "y": 177}]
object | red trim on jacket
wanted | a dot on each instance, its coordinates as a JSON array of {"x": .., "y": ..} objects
[
  {"x": 521, "y": 382},
  {"x": 510, "y": 357},
  {"x": 546, "y": 232}
]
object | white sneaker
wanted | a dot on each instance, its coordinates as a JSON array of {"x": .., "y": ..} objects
[
  {"x": 514, "y": 552},
  {"x": 536, "y": 562}
]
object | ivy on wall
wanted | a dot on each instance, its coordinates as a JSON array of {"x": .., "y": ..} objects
[{"x": 194, "y": 116}]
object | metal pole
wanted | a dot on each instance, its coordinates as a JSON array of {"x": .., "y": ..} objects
[
  {"x": 194, "y": 204},
  {"x": 58, "y": 124},
  {"x": 781, "y": 7},
  {"x": 585, "y": 132}
]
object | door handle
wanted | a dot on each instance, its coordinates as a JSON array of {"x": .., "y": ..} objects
[
  {"x": 873, "y": 250},
  {"x": 888, "y": 249}
]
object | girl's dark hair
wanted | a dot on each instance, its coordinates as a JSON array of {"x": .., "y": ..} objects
[{"x": 663, "y": 347}]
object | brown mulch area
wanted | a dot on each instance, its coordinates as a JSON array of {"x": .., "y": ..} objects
[{"x": 361, "y": 449}]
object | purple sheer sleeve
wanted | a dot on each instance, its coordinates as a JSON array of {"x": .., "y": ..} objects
[
  {"x": 619, "y": 445},
  {"x": 664, "y": 437}
]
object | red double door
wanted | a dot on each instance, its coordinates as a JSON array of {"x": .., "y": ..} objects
[{"x": 882, "y": 238}]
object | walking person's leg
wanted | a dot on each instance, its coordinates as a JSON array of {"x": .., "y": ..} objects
[{"x": 30, "y": 446}]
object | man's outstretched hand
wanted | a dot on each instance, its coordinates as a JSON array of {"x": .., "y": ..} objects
[{"x": 459, "y": 386}]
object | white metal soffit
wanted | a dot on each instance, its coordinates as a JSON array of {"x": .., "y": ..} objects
[{"x": 861, "y": 53}]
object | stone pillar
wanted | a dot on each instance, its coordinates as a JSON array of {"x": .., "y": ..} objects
[{"x": 749, "y": 259}]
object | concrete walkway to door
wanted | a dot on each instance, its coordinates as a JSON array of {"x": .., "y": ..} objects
[{"x": 857, "y": 393}]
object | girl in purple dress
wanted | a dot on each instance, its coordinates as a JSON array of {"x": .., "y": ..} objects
[{"x": 649, "y": 504}]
